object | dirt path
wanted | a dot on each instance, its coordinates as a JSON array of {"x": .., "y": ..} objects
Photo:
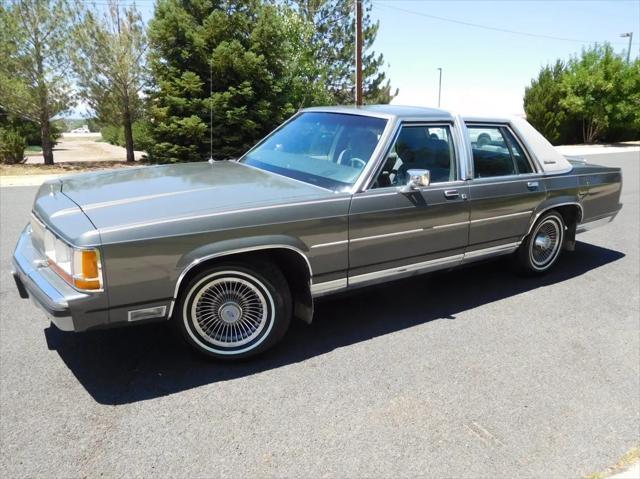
[{"x": 84, "y": 148}]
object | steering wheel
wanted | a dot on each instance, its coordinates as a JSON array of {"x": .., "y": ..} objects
[{"x": 357, "y": 162}]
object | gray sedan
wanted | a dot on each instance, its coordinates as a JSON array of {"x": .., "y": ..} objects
[{"x": 334, "y": 199}]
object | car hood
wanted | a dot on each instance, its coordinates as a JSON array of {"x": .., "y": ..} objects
[{"x": 133, "y": 196}]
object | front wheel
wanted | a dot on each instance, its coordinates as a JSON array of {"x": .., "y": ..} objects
[
  {"x": 235, "y": 311},
  {"x": 541, "y": 248}
]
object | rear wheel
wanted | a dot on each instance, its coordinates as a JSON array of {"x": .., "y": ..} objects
[
  {"x": 541, "y": 248},
  {"x": 235, "y": 310}
]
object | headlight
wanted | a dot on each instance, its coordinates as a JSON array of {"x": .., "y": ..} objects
[{"x": 78, "y": 267}]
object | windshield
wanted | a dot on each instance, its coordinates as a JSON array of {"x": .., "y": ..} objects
[{"x": 325, "y": 149}]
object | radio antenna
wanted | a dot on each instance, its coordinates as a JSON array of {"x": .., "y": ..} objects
[{"x": 211, "y": 112}]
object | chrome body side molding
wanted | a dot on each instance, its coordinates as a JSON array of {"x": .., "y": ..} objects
[
  {"x": 593, "y": 224},
  {"x": 328, "y": 287},
  {"x": 387, "y": 235},
  {"x": 484, "y": 253},
  {"x": 407, "y": 270},
  {"x": 398, "y": 272},
  {"x": 511, "y": 215},
  {"x": 326, "y": 245}
]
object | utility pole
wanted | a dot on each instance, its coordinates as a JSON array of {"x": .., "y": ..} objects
[
  {"x": 439, "y": 86},
  {"x": 630, "y": 35},
  {"x": 358, "y": 52}
]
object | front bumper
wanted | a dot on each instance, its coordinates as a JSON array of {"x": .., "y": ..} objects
[{"x": 44, "y": 287}]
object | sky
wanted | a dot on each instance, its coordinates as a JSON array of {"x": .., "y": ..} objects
[{"x": 484, "y": 71}]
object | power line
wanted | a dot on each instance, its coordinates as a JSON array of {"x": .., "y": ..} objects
[
  {"x": 487, "y": 27},
  {"x": 513, "y": 1}
]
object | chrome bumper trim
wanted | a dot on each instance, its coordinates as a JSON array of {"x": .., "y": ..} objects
[{"x": 46, "y": 289}]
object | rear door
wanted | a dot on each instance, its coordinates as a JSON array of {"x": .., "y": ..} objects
[
  {"x": 391, "y": 232},
  {"x": 504, "y": 191}
]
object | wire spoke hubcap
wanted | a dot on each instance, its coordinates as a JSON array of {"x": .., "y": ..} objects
[
  {"x": 229, "y": 311},
  {"x": 546, "y": 243}
]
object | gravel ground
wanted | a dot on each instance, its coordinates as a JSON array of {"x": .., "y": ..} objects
[{"x": 466, "y": 374}]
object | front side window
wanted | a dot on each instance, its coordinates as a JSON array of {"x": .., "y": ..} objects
[
  {"x": 419, "y": 147},
  {"x": 325, "y": 149},
  {"x": 496, "y": 152}
]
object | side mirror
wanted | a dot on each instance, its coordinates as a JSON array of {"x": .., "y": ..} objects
[{"x": 416, "y": 179}]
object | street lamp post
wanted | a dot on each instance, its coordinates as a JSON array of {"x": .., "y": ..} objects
[
  {"x": 630, "y": 36},
  {"x": 439, "y": 85}
]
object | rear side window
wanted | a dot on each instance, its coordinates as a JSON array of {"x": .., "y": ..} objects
[
  {"x": 496, "y": 152},
  {"x": 522, "y": 164}
]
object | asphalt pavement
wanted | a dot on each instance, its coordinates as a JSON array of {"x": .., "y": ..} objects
[{"x": 462, "y": 374}]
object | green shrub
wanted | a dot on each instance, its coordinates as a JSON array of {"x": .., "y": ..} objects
[
  {"x": 141, "y": 135},
  {"x": 12, "y": 146}
]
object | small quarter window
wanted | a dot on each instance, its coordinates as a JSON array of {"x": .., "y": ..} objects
[
  {"x": 496, "y": 152},
  {"x": 425, "y": 147}
]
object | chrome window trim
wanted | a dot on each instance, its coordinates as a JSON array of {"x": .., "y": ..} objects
[
  {"x": 491, "y": 180},
  {"x": 219, "y": 254},
  {"x": 527, "y": 152},
  {"x": 379, "y": 154},
  {"x": 465, "y": 141}
]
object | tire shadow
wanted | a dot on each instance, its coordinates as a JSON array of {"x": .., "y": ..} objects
[{"x": 127, "y": 365}]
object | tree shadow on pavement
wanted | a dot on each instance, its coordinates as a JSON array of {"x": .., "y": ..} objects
[{"x": 127, "y": 365}]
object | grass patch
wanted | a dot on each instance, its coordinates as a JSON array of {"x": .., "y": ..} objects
[
  {"x": 33, "y": 149},
  {"x": 64, "y": 168},
  {"x": 625, "y": 461}
]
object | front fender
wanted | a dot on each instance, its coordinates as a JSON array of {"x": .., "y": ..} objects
[{"x": 234, "y": 246}]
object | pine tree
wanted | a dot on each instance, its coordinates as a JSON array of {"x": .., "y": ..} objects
[
  {"x": 250, "y": 55},
  {"x": 334, "y": 41}
]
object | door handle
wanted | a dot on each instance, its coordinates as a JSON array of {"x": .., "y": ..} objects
[
  {"x": 451, "y": 194},
  {"x": 533, "y": 185}
]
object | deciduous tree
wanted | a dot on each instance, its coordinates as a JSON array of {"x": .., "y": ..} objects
[
  {"x": 34, "y": 65},
  {"x": 110, "y": 65}
]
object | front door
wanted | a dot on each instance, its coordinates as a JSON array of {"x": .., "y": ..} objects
[{"x": 396, "y": 234}]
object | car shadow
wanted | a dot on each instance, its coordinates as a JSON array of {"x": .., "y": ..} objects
[{"x": 127, "y": 365}]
